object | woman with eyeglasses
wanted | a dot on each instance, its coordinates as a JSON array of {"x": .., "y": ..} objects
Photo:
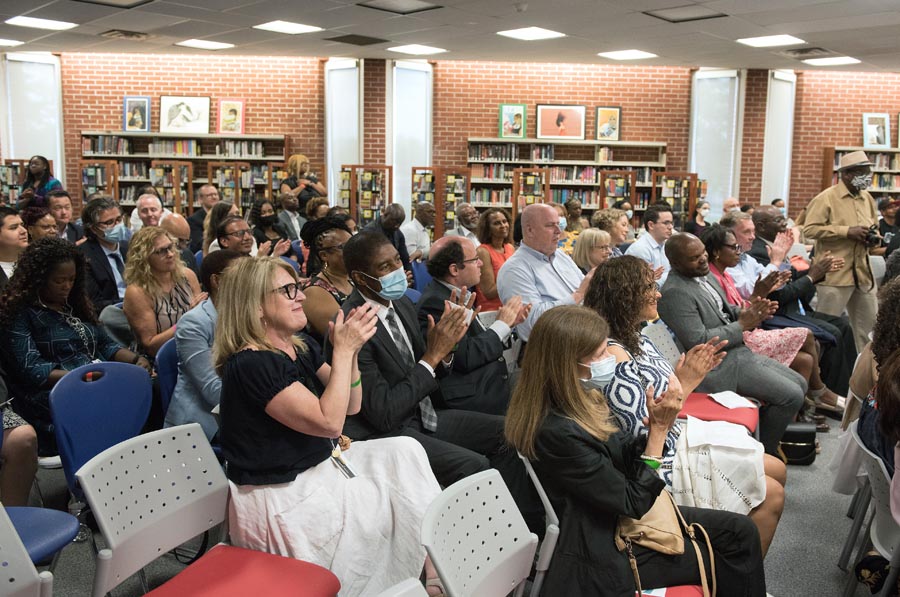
[
  {"x": 593, "y": 248},
  {"x": 160, "y": 289},
  {"x": 39, "y": 222},
  {"x": 50, "y": 328},
  {"x": 330, "y": 286}
]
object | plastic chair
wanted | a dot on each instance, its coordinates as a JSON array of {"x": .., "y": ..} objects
[
  {"x": 411, "y": 587},
  {"x": 413, "y": 295},
  {"x": 293, "y": 264},
  {"x": 421, "y": 275},
  {"x": 167, "y": 372},
  {"x": 153, "y": 492},
  {"x": 702, "y": 406},
  {"x": 879, "y": 267},
  {"x": 853, "y": 456},
  {"x": 477, "y": 539},
  {"x": 198, "y": 257},
  {"x": 662, "y": 338},
  {"x": 551, "y": 535},
  {"x": 18, "y": 576}
]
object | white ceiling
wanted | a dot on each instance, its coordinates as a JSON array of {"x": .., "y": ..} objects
[{"x": 865, "y": 29}]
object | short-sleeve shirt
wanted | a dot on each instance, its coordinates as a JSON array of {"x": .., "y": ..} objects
[{"x": 258, "y": 449}]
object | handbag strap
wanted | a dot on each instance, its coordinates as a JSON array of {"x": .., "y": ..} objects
[{"x": 689, "y": 529}]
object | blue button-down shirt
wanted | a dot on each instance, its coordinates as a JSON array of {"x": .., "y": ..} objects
[
  {"x": 652, "y": 252},
  {"x": 545, "y": 282},
  {"x": 747, "y": 272}
]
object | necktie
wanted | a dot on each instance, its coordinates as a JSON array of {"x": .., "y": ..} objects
[
  {"x": 120, "y": 265},
  {"x": 426, "y": 409}
]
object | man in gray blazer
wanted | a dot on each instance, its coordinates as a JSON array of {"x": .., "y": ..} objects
[
  {"x": 290, "y": 217},
  {"x": 694, "y": 307}
]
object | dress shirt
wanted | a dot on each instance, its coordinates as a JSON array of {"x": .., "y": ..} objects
[
  {"x": 652, "y": 252},
  {"x": 296, "y": 221},
  {"x": 746, "y": 272},
  {"x": 115, "y": 258},
  {"x": 715, "y": 296},
  {"x": 545, "y": 282},
  {"x": 463, "y": 231},
  {"x": 417, "y": 238},
  {"x": 382, "y": 315},
  {"x": 498, "y": 327},
  {"x": 137, "y": 223}
]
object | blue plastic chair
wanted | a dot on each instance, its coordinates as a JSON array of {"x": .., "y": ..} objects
[
  {"x": 292, "y": 263},
  {"x": 198, "y": 256},
  {"x": 97, "y": 406},
  {"x": 421, "y": 275},
  {"x": 167, "y": 372},
  {"x": 413, "y": 295},
  {"x": 297, "y": 246}
]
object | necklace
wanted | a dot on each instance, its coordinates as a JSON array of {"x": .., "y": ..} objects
[
  {"x": 332, "y": 280},
  {"x": 76, "y": 324}
]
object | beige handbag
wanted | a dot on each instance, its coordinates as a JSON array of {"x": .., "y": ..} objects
[{"x": 660, "y": 529}]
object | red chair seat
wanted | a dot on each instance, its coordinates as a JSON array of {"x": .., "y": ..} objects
[
  {"x": 228, "y": 571},
  {"x": 701, "y": 406},
  {"x": 680, "y": 591}
]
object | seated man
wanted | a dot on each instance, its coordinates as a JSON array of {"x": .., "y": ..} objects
[
  {"x": 60, "y": 205},
  {"x": 148, "y": 211},
  {"x": 478, "y": 379},
  {"x": 388, "y": 224},
  {"x": 234, "y": 233},
  {"x": 106, "y": 251},
  {"x": 401, "y": 395},
  {"x": 695, "y": 309},
  {"x": 658, "y": 223}
]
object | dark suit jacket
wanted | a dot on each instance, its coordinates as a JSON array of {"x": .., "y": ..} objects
[
  {"x": 100, "y": 280},
  {"x": 3, "y": 280},
  {"x": 478, "y": 379},
  {"x": 799, "y": 288},
  {"x": 397, "y": 239},
  {"x": 392, "y": 388},
  {"x": 74, "y": 232},
  {"x": 190, "y": 262},
  {"x": 196, "y": 224}
]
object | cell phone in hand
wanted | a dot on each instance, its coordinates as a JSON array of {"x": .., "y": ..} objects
[{"x": 469, "y": 312}]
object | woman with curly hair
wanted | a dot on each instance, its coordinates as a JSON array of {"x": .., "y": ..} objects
[
  {"x": 330, "y": 285},
  {"x": 39, "y": 222},
  {"x": 742, "y": 480},
  {"x": 160, "y": 288},
  {"x": 494, "y": 232},
  {"x": 51, "y": 329},
  {"x": 615, "y": 222},
  {"x": 38, "y": 182}
]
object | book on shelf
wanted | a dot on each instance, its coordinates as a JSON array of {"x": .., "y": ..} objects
[
  {"x": 541, "y": 153},
  {"x": 108, "y": 144},
  {"x": 493, "y": 171},
  {"x": 616, "y": 187},
  {"x": 133, "y": 170},
  {"x": 577, "y": 174},
  {"x": 490, "y": 196},
  {"x": 489, "y": 151},
  {"x": 186, "y": 147},
  {"x": 589, "y": 198},
  {"x": 240, "y": 149},
  {"x": 880, "y": 161},
  {"x": 93, "y": 177},
  {"x": 605, "y": 154}
]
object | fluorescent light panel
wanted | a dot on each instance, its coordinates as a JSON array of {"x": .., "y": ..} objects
[
  {"x": 287, "y": 27},
  {"x": 204, "y": 44},
  {"x": 531, "y": 33},
  {"x": 831, "y": 61},
  {"x": 417, "y": 50},
  {"x": 36, "y": 23},
  {"x": 10, "y": 42},
  {"x": 627, "y": 55},
  {"x": 771, "y": 41}
]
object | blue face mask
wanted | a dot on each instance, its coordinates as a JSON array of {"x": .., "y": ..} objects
[
  {"x": 393, "y": 285},
  {"x": 116, "y": 234},
  {"x": 563, "y": 223},
  {"x": 629, "y": 213},
  {"x": 783, "y": 211},
  {"x": 602, "y": 372}
]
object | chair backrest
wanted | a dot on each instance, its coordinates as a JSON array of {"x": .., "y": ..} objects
[
  {"x": 91, "y": 416},
  {"x": 411, "y": 587},
  {"x": 167, "y": 372},
  {"x": 551, "y": 535},
  {"x": 18, "y": 576},
  {"x": 422, "y": 277},
  {"x": 150, "y": 494},
  {"x": 879, "y": 267},
  {"x": 661, "y": 337},
  {"x": 477, "y": 539},
  {"x": 292, "y": 263},
  {"x": 885, "y": 532},
  {"x": 198, "y": 257},
  {"x": 413, "y": 295}
]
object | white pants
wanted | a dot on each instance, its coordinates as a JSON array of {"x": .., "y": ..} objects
[{"x": 861, "y": 307}]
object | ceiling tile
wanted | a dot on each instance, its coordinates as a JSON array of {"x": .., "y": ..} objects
[
  {"x": 137, "y": 20},
  {"x": 72, "y": 12}
]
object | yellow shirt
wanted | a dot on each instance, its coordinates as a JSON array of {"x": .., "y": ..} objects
[{"x": 828, "y": 218}]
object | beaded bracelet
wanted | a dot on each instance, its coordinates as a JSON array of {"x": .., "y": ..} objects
[{"x": 356, "y": 383}]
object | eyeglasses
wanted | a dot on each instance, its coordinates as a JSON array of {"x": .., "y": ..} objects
[
  {"x": 183, "y": 243},
  {"x": 289, "y": 290},
  {"x": 735, "y": 247},
  {"x": 239, "y": 233},
  {"x": 109, "y": 223},
  {"x": 339, "y": 247},
  {"x": 163, "y": 251},
  {"x": 473, "y": 260},
  {"x": 668, "y": 224}
]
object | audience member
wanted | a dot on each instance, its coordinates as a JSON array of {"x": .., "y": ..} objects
[
  {"x": 567, "y": 237},
  {"x": 573, "y": 216},
  {"x": 887, "y": 397},
  {"x": 625, "y": 205},
  {"x": 838, "y": 219},
  {"x": 51, "y": 329},
  {"x": 160, "y": 289},
  {"x": 282, "y": 411},
  {"x": 38, "y": 183},
  {"x": 198, "y": 386},
  {"x": 200, "y": 239},
  {"x": 593, "y": 248},
  {"x": 179, "y": 229},
  {"x": 731, "y": 204},
  {"x": 416, "y": 231},
  {"x": 214, "y": 217},
  {"x": 317, "y": 207},
  {"x": 697, "y": 224},
  {"x": 494, "y": 249},
  {"x": 697, "y": 312},
  {"x": 467, "y": 223},
  {"x": 301, "y": 182},
  {"x": 148, "y": 211},
  {"x": 538, "y": 271},
  {"x": 234, "y": 233},
  {"x": 388, "y": 224},
  {"x": 478, "y": 379},
  {"x": 106, "y": 251},
  {"x": 341, "y": 214},
  {"x": 39, "y": 222},
  {"x": 748, "y": 208},
  {"x": 594, "y": 474},
  {"x": 18, "y": 456},
  {"x": 60, "y": 205},
  {"x": 887, "y": 225},
  {"x": 266, "y": 229},
  {"x": 658, "y": 223},
  {"x": 616, "y": 223},
  {"x": 13, "y": 240},
  {"x": 330, "y": 286},
  {"x": 290, "y": 217}
]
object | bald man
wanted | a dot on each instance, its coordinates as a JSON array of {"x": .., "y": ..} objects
[
  {"x": 148, "y": 211},
  {"x": 538, "y": 271},
  {"x": 418, "y": 238},
  {"x": 731, "y": 204},
  {"x": 180, "y": 229}
]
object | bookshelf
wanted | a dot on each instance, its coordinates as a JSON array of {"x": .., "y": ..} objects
[
  {"x": 12, "y": 177},
  {"x": 99, "y": 176},
  {"x": 679, "y": 190},
  {"x": 172, "y": 180},
  {"x": 234, "y": 181},
  {"x": 885, "y": 171},
  {"x": 530, "y": 185},
  {"x": 452, "y": 190},
  {"x": 368, "y": 190},
  {"x": 275, "y": 173}
]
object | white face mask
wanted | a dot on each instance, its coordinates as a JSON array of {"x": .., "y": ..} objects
[
  {"x": 861, "y": 182},
  {"x": 602, "y": 372},
  {"x": 629, "y": 213},
  {"x": 704, "y": 212}
]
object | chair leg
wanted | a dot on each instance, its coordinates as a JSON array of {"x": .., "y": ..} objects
[
  {"x": 852, "y": 509},
  {"x": 862, "y": 506},
  {"x": 891, "y": 581}
]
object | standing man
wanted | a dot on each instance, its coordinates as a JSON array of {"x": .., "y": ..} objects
[
  {"x": 838, "y": 219},
  {"x": 60, "y": 205},
  {"x": 418, "y": 238},
  {"x": 658, "y": 223},
  {"x": 290, "y": 216},
  {"x": 467, "y": 216},
  {"x": 209, "y": 196},
  {"x": 388, "y": 224}
]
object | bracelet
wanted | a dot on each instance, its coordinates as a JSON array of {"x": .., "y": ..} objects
[
  {"x": 356, "y": 383},
  {"x": 652, "y": 463},
  {"x": 137, "y": 358}
]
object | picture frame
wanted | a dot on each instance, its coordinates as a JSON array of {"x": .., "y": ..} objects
[
  {"x": 608, "y": 123},
  {"x": 876, "y": 130},
  {"x": 230, "y": 117},
  {"x": 183, "y": 114},
  {"x": 513, "y": 121},
  {"x": 136, "y": 113},
  {"x": 560, "y": 121}
]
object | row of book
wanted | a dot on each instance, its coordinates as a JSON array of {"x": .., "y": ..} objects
[
  {"x": 885, "y": 182},
  {"x": 241, "y": 149},
  {"x": 880, "y": 161},
  {"x": 493, "y": 171},
  {"x": 542, "y": 153},
  {"x": 187, "y": 147},
  {"x": 489, "y": 151},
  {"x": 229, "y": 178},
  {"x": 133, "y": 169},
  {"x": 584, "y": 174},
  {"x": 94, "y": 178},
  {"x": 490, "y": 196},
  {"x": 422, "y": 183},
  {"x": 108, "y": 144}
]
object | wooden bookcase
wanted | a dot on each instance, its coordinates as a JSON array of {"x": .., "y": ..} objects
[
  {"x": 99, "y": 176},
  {"x": 530, "y": 185},
  {"x": 275, "y": 173},
  {"x": 885, "y": 171},
  {"x": 172, "y": 180},
  {"x": 369, "y": 191},
  {"x": 444, "y": 188},
  {"x": 234, "y": 181},
  {"x": 679, "y": 190}
]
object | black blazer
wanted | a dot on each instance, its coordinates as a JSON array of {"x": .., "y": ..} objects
[
  {"x": 799, "y": 288},
  {"x": 392, "y": 389},
  {"x": 196, "y": 224},
  {"x": 397, "y": 239},
  {"x": 100, "y": 280},
  {"x": 74, "y": 232},
  {"x": 478, "y": 379},
  {"x": 3, "y": 280}
]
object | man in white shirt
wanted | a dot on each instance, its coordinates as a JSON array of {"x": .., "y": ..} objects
[
  {"x": 290, "y": 216},
  {"x": 149, "y": 211},
  {"x": 658, "y": 225},
  {"x": 418, "y": 239},
  {"x": 467, "y": 216}
]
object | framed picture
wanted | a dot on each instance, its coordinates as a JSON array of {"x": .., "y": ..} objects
[
  {"x": 609, "y": 123},
  {"x": 136, "y": 114},
  {"x": 513, "y": 121},
  {"x": 876, "y": 131},
  {"x": 179, "y": 114},
  {"x": 560, "y": 122},
  {"x": 231, "y": 116}
]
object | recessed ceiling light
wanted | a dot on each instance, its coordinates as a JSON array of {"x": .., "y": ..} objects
[
  {"x": 832, "y": 61},
  {"x": 417, "y": 50},
  {"x": 204, "y": 44},
  {"x": 770, "y": 41},
  {"x": 400, "y": 7},
  {"x": 10, "y": 42},
  {"x": 35, "y": 23},
  {"x": 531, "y": 33},
  {"x": 117, "y": 3},
  {"x": 685, "y": 14},
  {"x": 287, "y": 27},
  {"x": 627, "y": 55}
]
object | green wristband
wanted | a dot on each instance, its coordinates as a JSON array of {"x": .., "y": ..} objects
[
  {"x": 356, "y": 383},
  {"x": 654, "y": 464}
]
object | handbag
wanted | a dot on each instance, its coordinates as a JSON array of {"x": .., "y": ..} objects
[
  {"x": 799, "y": 443},
  {"x": 663, "y": 529}
]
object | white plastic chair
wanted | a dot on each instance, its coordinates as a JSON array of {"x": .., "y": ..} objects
[
  {"x": 551, "y": 535},
  {"x": 18, "y": 576},
  {"x": 659, "y": 334},
  {"x": 411, "y": 587},
  {"x": 477, "y": 539},
  {"x": 879, "y": 267}
]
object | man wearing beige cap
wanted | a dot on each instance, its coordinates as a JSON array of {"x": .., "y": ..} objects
[{"x": 838, "y": 219}]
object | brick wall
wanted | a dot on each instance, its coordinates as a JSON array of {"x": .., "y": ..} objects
[
  {"x": 374, "y": 118},
  {"x": 285, "y": 95},
  {"x": 754, "y": 135}
]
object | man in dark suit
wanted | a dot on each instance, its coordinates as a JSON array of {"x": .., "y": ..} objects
[
  {"x": 60, "y": 205},
  {"x": 399, "y": 370},
  {"x": 106, "y": 251},
  {"x": 208, "y": 196},
  {"x": 388, "y": 224},
  {"x": 478, "y": 380}
]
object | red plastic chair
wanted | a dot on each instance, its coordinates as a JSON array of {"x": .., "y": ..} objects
[{"x": 702, "y": 406}]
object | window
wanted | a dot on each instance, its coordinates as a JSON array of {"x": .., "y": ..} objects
[
  {"x": 343, "y": 118},
  {"x": 776, "y": 171},
  {"x": 409, "y": 95}
]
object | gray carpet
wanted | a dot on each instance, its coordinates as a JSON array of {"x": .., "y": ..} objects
[{"x": 801, "y": 561}]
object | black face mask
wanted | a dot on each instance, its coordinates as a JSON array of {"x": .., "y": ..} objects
[{"x": 267, "y": 220}]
